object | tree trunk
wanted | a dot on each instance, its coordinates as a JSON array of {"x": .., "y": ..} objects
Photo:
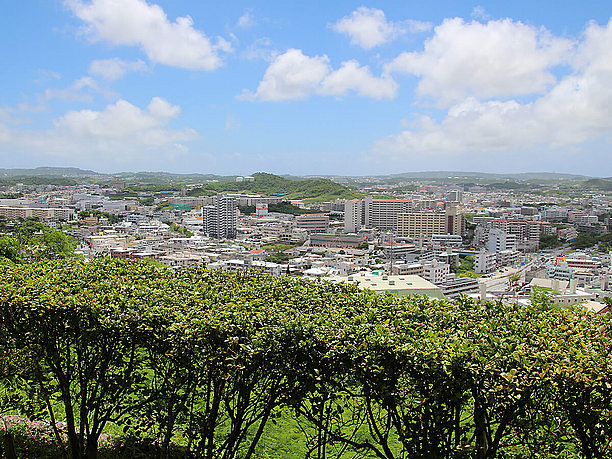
[
  {"x": 9, "y": 446},
  {"x": 92, "y": 447},
  {"x": 480, "y": 425}
]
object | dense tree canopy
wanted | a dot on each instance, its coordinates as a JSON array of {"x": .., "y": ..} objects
[
  {"x": 31, "y": 240},
  {"x": 210, "y": 359},
  {"x": 269, "y": 184}
]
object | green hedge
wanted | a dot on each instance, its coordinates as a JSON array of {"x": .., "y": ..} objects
[{"x": 210, "y": 360}]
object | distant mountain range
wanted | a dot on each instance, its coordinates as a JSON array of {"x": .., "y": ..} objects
[
  {"x": 49, "y": 172},
  {"x": 486, "y": 175},
  {"x": 197, "y": 177}
]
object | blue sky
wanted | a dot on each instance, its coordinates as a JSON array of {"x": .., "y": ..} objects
[{"x": 307, "y": 87}]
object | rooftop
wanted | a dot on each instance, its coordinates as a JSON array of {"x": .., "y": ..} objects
[{"x": 400, "y": 284}]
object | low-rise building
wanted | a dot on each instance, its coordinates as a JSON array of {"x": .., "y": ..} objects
[
  {"x": 454, "y": 286},
  {"x": 446, "y": 240},
  {"x": 337, "y": 240},
  {"x": 508, "y": 257},
  {"x": 485, "y": 262},
  {"x": 179, "y": 260},
  {"x": 313, "y": 223},
  {"x": 436, "y": 272},
  {"x": 562, "y": 293},
  {"x": 398, "y": 251},
  {"x": 400, "y": 285},
  {"x": 407, "y": 269},
  {"x": 42, "y": 213},
  {"x": 99, "y": 244}
]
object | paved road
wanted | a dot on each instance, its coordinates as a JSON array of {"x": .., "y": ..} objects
[{"x": 501, "y": 279}]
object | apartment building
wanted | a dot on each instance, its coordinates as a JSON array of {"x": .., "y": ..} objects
[
  {"x": 485, "y": 262},
  {"x": 374, "y": 213},
  {"x": 313, "y": 223},
  {"x": 436, "y": 272},
  {"x": 524, "y": 230},
  {"x": 546, "y": 229},
  {"x": 567, "y": 234},
  {"x": 426, "y": 224},
  {"x": 353, "y": 215},
  {"x": 42, "y": 213},
  {"x": 500, "y": 240},
  {"x": 555, "y": 214},
  {"x": 508, "y": 258},
  {"x": 219, "y": 221}
]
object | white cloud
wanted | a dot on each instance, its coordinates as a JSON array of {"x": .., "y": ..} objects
[
  {"x": 117, "y": 120},
  {"x": 161, "y": 109},
  {"x": 20, "y": 114},
  {"x": 46, "y": 75},
  {"x": 120, "y": 133},
  {"x": 80, "y": 91},
  {"x": 352, "y": 77},
  {"x": 295, "y": 76},
  {"x": 417, "y": 26},
  {"x": 231, "y": 124},
  {"x": 115, "y": 68},
  {"x": 261, "y": 49},
  {"x": 368, "y": 27},
  {"x": 291, "y": 76},
  {"x": 471, "y": 126},
  {"x": 480, "y": 13},
  {"x": 137, "y": 23},
  {"x": 577, "y": 109},
  {"x": 497, "y": 59},
  {"x": 246, "y": 20}
]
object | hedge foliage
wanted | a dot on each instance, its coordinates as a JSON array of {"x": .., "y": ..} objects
[{"x": 209, "y": 359}]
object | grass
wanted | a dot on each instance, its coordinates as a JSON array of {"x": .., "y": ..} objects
[
  {"x": 466, "y": 269},
  {"x": 282, "y": 439}
]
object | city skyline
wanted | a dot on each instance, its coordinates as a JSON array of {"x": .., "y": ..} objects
[{"x": 344, "y": 88}]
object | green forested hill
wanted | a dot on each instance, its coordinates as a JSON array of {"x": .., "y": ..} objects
[
  {"x": 598, "y": 184},
  {"x": 269, "y": 184},
  {"x": 38, "y": 180}
]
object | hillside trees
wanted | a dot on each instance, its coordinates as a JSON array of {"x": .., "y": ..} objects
[
  {"x": 10, "y": 250},
  {"x": 269, "y": 184},
  {"x": 31, "y": 240}
]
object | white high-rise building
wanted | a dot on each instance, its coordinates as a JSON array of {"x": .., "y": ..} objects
[
  {"x": 499, "y": 241},
  {"x": 219, "y": 221},
  {"x": 353, "y": 215}
]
